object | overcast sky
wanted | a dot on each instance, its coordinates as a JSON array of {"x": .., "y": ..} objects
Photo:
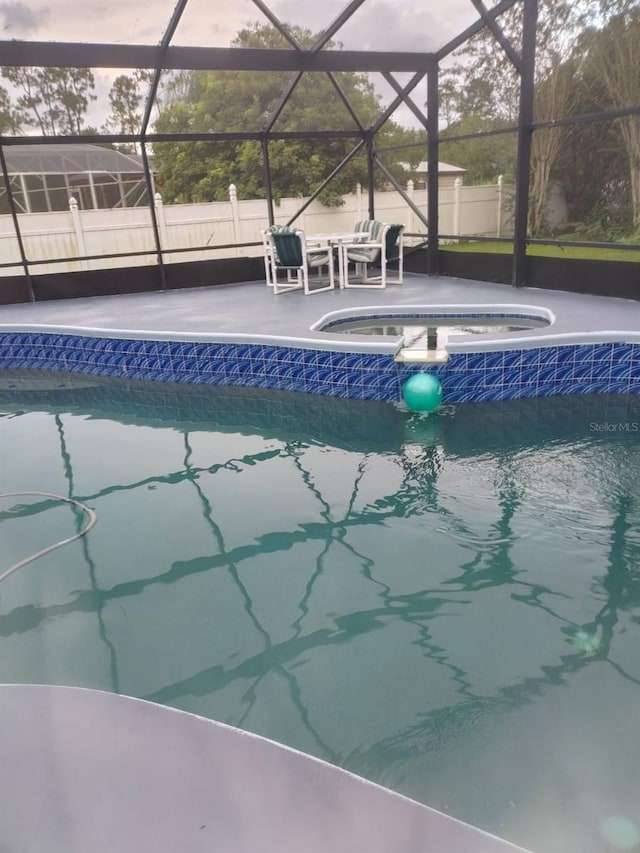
[{"x": 377, "y": 25}]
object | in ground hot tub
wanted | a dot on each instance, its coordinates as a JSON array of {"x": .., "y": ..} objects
[{"x": 427, "y": 332}]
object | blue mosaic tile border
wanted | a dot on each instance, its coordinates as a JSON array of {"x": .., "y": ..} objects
[{"x": 505, "y": 375}]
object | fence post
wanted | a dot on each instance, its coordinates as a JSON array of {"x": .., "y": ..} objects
[
  {"x": 358, "y": 202},
  {"x": 410, "y": 193},
  {"x": 26, "y": 201},
  {"x": 76, "y": 219},
  {"x": 499, "y": 216},
  {"x": 162, "y": 221},
  {"x": 457, "y": 197},
  {"x": 235, "y": 216},
  {"x": 92, "y": 191}
]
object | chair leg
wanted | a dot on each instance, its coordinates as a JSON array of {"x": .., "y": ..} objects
[
  {"x": 343, "y": 266},
  {"x": 372, "y": 282},
  {"x": 359, "y": 271},
  {"x": 308, "y": 290},
  {"x": 400, "y": 276},
  {"x": 400, "y": 246},
  {"x": 289, "y": 284},
  {"x": 268, "y": 270}
]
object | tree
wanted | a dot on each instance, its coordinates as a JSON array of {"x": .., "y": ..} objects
[
  {"x": 55, "y": 100},
  {"x": 26, "y": 80},
  {"x": 126, "y": 99},
  {"x": 11, "y": 119},
  {"x": 73, "y": 88},
  {"x": 592, "y": 169},
  {"x": 484, "y": 158},
  {"x": 224, "y": 101},
  {"x": 481, "y": 92},
  {"x": 555, "y": 97},
  {"x": 611, "y": 58},
  {"x": 598, "y": 164}
]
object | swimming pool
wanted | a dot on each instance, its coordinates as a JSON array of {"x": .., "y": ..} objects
[{"x": 447, "y": 605}]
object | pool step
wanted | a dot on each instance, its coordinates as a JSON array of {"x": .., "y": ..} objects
[{"x": 422, "y": 355}]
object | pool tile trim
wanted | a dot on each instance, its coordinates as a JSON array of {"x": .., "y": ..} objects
[{"x": 540, "y": 368}]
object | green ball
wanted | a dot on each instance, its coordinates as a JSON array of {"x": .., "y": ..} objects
[{"x": 422, "y": 392}]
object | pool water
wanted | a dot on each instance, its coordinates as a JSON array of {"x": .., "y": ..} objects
[
  {"x": 448, "y": 605},
  {"x": 402, "y": 329},
  {"x": 414, "y": 329},
  {"x": 421, "y": 334}
]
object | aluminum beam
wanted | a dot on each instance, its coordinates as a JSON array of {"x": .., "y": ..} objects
[
  {"x": 433, "y": 176},
  {"x": 525, "y": 133},
  {"x": 77, "y": 55}
]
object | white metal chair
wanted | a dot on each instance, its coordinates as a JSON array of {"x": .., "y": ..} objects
[
  {"x": 374, "y": 253},
  {"x": 267, "y": 251},
  {"x": 290, "y": 253},
  {"x": 395, "y": 251},
  {"x": 267, "y": 248}
]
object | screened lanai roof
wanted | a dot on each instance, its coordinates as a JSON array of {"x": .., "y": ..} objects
[
  {"x": 399, "y": 53},
  {"x": 396, "y": 47},
  {"x": 410, "y": 25},
  {"x": 300, "y": 39},
  {"x": 66, "y": 159}
]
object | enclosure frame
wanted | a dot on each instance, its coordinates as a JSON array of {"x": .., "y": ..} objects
[{"x": 297, "y": 60}]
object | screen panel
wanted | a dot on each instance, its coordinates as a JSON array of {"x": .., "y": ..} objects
[
  {"x": 117, "y": 22},
  {"x": 237, "y": 23}
]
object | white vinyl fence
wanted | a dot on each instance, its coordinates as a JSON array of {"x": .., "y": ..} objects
[{"x": 468, "y": 211}]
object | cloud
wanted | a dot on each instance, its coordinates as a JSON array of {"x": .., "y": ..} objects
[
  {"x": 384, "y": 24},
  {"x": 313, "y": 16},
  {"x": 20, "y": 20},
  {"x": 387, "y": 25},
  {"x": 122, "y": 21},
  {"x": 376, "y": 25}
]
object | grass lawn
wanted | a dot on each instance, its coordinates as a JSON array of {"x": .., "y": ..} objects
[{"x": 632, "y": 256}]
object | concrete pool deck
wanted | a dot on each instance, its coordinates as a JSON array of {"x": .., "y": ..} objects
[
  {"x": 97, "y": 772},
  {"x": 252, "y": 310}
]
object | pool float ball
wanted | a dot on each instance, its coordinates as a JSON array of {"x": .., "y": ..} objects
[{"x": 422, "y": 392}]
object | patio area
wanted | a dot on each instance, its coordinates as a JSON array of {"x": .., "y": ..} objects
[{"x": 241, "y": 312}]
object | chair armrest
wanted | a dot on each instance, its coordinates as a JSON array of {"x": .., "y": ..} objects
[
  {"x": 361, "y": 244},
  {"x": 317, "y": 251}
]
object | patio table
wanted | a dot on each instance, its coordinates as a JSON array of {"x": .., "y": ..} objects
[{"x": 337, "y": 241}]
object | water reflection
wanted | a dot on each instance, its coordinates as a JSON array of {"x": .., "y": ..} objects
[
  {"x": 401, "y": 597},
  {"x": 88, "y": 560}
]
